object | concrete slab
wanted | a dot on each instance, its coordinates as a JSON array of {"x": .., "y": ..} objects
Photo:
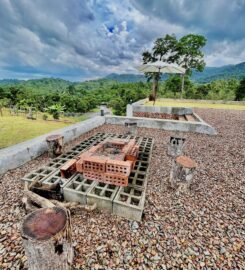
[{"x": 185, "y": 126}]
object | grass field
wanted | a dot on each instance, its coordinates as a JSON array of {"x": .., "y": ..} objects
[
  {"x": 16, "y": 129},
  {"x": 196, "y": 105}
]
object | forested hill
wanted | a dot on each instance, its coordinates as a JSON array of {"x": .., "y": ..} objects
[
  {"x": 45, "y": 84},
  {"x": 54, "y": 84},
  {"x": 217, "y": 73},
  {"x": 209, "y": 74}
]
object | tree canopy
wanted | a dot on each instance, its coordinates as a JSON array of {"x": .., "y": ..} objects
[
  {"x": 240, "y": 91},
  {"x": 186, "y": 52}
]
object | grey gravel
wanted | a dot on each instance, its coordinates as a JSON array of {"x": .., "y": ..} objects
[{"x": 201, "y": 230}]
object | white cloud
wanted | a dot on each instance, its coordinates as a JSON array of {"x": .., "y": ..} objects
[{"x": 73, "y": 38}]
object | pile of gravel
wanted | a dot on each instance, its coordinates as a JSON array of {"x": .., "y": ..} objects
[{"x": 202, "y": 230}]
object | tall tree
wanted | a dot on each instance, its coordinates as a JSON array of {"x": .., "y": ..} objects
[
  {"x": 185, "y": 52},
  {"x": 189, "y": 54},
  {"x": 240, "y": 92}
]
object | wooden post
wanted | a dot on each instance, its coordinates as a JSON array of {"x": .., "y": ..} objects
[
  {"x": 46, "y": 235},
  {"x": 182, "y": 85},
  {"x": 181, "y": 174}
]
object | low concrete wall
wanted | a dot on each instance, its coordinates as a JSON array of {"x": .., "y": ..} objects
[
  {"x": 199, "y": 127},
  {"x": 159, "y": 109},
  {"x": 16, "y": 155},
  {"x": 140, "y": 107},
  {"x": 199, "y": 101}
]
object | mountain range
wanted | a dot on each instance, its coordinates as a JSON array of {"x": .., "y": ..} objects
[{"x": 209, "y": 74}]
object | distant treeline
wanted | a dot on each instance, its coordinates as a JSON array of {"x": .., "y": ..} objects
[{"x": 82, "y": 97}]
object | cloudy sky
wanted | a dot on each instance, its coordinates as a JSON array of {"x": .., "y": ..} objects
[{"x": 86, "y": 39}]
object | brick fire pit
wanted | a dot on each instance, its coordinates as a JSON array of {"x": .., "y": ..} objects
[
  {"x": 125, "y": 201},
  {"x": 111, "y": 162}
]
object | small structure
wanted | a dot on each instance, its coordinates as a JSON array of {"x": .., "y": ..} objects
[
  {"x": 130, "y": 127},
  {"x": 182, "y": 173},
  {"x": 30, "y": 114},
  {"x": 55, "y": 145},
  {"x": 46, "y": 236},
  {"x": 175, "y": 146},
  {"x": 111, "y": 162}
]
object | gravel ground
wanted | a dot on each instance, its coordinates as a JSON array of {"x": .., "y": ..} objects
[{"x": 202, "y": 230}]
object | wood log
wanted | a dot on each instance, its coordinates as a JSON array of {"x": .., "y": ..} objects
[
  {"x": 47, "y": 191},
  {"x": 28, "y": 206},
  {"x": 182, "y": 173},
  {"x": 75, "y": 206},
  {"x": 42, "y": 202},
  {"x": 46, "y": 236}
]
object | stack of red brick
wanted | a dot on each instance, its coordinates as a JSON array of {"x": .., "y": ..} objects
[
  {"x": 110, "y": 162},
  {"x": 156, "y": 115}
]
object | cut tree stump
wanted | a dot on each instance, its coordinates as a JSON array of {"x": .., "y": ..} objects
[
  {"x": 131, "y": 127},
  {"x": 46, "y": 235},
  {"x": 176, "y": 146},
  {"x": 55, "y": 145},
  {"x": 182, "y": 173}
]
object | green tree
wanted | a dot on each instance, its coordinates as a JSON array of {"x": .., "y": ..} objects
[
  {"x": 2, "y": 93},
  {"x": 185, "y": 52},
  {"x": 71, "y": 89},
  {"x": 55, "y": 110},
  {"x": 118, "y": 106},
  {"x": 189, "y": 54},
  {"x": 240, "y": 91},
  {"x": 173, "y": 85},
  {"x": 3, "y": 103}
]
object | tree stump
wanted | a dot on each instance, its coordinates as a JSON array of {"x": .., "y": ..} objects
[
  {"x": 55, "y": 145},
  {"x": 175, "y": 146},
  {"x": 46, "y": 235},
  {"x": 182, "y": 173},
  {"x": 131, "y": 127}
]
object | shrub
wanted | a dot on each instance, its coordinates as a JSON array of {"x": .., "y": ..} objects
[
  {"x": 45, "y": 117},
  {"x": 55, "y": 110}
]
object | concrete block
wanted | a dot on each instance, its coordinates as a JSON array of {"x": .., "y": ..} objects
[
  {"x": 77, "y": 189},
  {"x": 137, "y": 180},
  {"x": 102, "y": 194},
  {"x": 56, "y": 178},
  {"x": 40, "y": 174},
  {"x": 129, "y": 203},
  {"x": 57, "y": 162}
]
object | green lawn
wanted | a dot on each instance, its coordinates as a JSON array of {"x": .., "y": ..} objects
[
  {"x": 195, "y": 105},
  {"x": 16, "y": 129}
]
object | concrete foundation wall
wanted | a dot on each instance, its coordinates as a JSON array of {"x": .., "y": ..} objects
[
  {"x": 200, "y": 101},
  {"x": 159, "y": 109},
  {"x": 16, "y": 155},
  {"x": 199, "y": 127},
  {"x": 140, "y": 107}
]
